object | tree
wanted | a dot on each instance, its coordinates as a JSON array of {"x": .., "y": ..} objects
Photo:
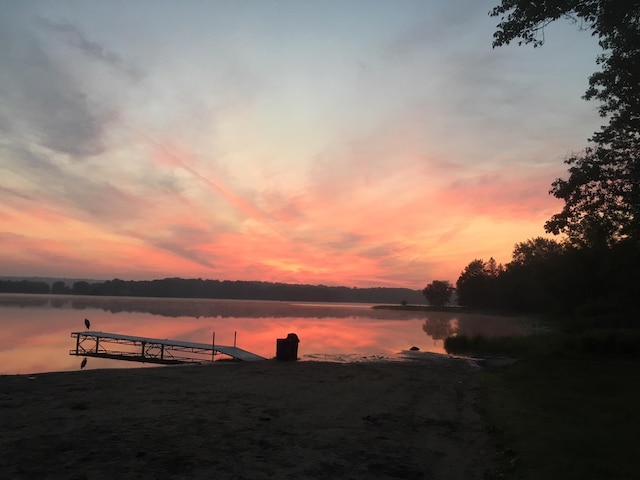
[
  {"x": 492, "y": 268},
  {"x": 84, "y": 288},
  {"x": 601, "y": 199},
  {"x": 530, "y": 281},
  {"x": 476, "y": 285},
  {"x": 602, "y": 193},
  {"x": 59, "y": 287},
  {"x": 438, "y": 293},
  {"x": 536, "y": 250}
]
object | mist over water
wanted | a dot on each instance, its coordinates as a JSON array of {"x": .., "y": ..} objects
[{"x": 36, "y": 328}]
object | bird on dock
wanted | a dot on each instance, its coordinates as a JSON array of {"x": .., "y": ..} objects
[
  {"x": 87, "y": 323},
  {"x": 83, "y": 364}
]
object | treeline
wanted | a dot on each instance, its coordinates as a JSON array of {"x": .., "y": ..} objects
[
  {"x": 550, "y": 277},
  {"x": 23, "y": 286},
  {"x": 220, "y": 289}
]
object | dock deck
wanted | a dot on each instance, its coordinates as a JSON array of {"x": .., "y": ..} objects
[{"x": 152, "y": 350}]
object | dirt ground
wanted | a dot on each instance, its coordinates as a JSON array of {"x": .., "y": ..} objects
[{"x": 262, "y": 420}]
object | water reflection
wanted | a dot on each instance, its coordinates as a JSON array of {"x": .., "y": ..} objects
[
  {"x": 201, "y": 308},
  {"x": 440, "y": 325},
  {"x": 36, "y": 328}
]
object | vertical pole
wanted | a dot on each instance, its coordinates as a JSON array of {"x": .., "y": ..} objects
[
  {"x": 97, "y": 343},
  {"x": 142, "y": 350},
  {"x": 213, "y": 347},
  {"x": 235, "y": 334},
  {"x": 77, "y": 343}
]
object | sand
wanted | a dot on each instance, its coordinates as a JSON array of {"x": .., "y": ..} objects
[{"x": 261, "y": 420}]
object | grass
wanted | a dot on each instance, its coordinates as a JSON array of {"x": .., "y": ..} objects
[
  {"x": 588, "y": 343},
  {"x": 564, "y": 418},
  {"x": 568, "y": 408}
]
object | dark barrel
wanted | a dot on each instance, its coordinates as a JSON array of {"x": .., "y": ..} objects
[{"x": 287, "y": 348}]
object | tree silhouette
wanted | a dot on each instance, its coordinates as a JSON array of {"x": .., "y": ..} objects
[
  {"x": 536, "y": 250},
  {"x": 602, "y": 194},
  {"x": 477, "y": 285},
  {"x": 439, "y": 328},
  {"x": 438, "y": 293}
]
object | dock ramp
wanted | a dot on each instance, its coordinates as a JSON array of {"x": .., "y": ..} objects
[{"x": 132, "y": 348}]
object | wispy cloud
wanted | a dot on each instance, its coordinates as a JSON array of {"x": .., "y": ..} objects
[
  {"x": 93, "y": 50},
  {"x": 42, "y": 101},
  {"x": 361, "y": 144}
]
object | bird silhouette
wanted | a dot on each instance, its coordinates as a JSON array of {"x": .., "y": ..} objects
[
  {"x": 83, "y": 364},
  {"x": 87, "y": 323}
]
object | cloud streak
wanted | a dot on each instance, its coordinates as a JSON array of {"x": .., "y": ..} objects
[
  {"x": 93, "y": 50},
  {"x": 42, "y": 103},
  {"x": 358, "y": 144}
]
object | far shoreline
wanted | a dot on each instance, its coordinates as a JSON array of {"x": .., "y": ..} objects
[{"x": 446, "y": 309}]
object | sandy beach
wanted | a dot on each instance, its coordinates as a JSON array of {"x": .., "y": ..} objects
[{"x": 233, "y": 420}]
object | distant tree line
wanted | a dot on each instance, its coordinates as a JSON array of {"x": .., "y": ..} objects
[
  {"x": 221, "y": 289},
  {"x": 23, "y": 286}
]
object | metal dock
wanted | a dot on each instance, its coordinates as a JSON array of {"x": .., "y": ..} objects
[{"x": 152, "y": 350}]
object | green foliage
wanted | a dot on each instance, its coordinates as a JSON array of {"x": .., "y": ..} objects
[{"x": 438, "y": 293}]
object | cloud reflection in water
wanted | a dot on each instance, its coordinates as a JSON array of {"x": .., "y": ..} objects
[{"x": 36, "y": 328}]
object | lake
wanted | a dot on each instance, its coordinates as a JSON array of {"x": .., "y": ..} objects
[{"x": 36, "y": 329}]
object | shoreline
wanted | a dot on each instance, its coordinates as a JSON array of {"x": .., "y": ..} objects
[
  {"x": 337, "y": 358},
  {"x": 270, "y": 419}
]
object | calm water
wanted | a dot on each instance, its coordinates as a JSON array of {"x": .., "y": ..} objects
[{"x": 35, "y": 329}]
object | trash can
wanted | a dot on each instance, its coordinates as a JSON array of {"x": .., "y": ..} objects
[{"x": 287, "y": 348}]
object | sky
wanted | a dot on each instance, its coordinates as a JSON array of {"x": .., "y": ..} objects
[{"x": 337, "y": 142}]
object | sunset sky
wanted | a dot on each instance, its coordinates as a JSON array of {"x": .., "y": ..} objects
[{"x": 347, "y": 142}]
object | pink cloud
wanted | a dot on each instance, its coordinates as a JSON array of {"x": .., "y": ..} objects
[{"x": 389, "y": 213}]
